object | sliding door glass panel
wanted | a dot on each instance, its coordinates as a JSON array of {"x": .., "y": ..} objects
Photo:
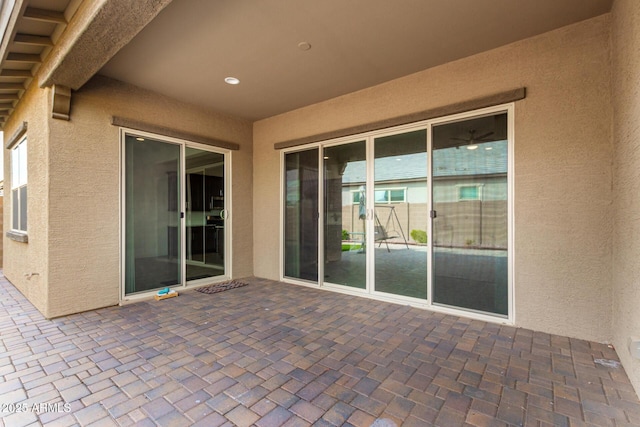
[
  {"x": 345, "y": 214},
  {"x": 470, "y": 231},
  {"x": 301, "y": 215},
  {"x": 401, "y": 214},
  {"x": 152, "y": 215},
  {"x": 204, "y": 220}
]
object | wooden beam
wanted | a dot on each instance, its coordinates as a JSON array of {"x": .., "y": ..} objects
[
  {"x": 32, "y": 39},
  {"x": 9, "y": 97},
  {"x": 161, "y": 130},
  {"x": 24, "y": 57},
  {"x": 11, "y": 86},
  {"x": 61, "y": 102},
  {"x": 44, "y": 15},
  {"x": 16, "y": 73},
  {"x": 446, "y": 110}
]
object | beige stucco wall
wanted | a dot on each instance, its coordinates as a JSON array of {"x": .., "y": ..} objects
[
  {"x": 84, "y": 192},
  {"x": 26, "y": 258},
  {"x": 562, "y": 155},
  {"x": 626, "y": 136}
]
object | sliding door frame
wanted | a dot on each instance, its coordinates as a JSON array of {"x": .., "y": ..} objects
[
  {"x": 370, "y": 291},
  {"x": 228, "y": 227}
]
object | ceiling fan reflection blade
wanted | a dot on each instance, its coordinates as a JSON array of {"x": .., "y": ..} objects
[{"x": 484, "y": 136}]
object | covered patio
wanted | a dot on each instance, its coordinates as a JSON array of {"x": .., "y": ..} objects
[{"x": 271, "y": 354}]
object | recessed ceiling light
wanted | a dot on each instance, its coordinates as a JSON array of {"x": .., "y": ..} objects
[
  {"x": 139, "y": 139},
  {"x": 304, "y": 46},
  {"x": 488, "y": 148},
  {"x": 472, "y": 147},
  {"x": 231, "y": 80}
]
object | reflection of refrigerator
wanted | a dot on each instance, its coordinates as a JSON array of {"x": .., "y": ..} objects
[
  {"x": 205, "y": 227},
  {"x": 214, "y": 244},
  {"x": 210, "y": 244}
]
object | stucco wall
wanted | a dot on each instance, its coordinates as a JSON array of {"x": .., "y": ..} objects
[
  {"x": 27, "y": 258},
  {"x": 84, "y": 232},
  {"x": 562, "y": 154},
  {"x": 626, "y": 136}
]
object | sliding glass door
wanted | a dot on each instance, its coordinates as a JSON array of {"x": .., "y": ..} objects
[
  {"x": 470, "y": 201},
  {"x": 417, "y": 214},
  {"x": 345, "y": 214},
  {"x": 153, "y": 177},
  {"x": 175, "y": 213},
  {"x": 205, "y": 213},
  {"x": 301, "y": 215},
  {"x": 401, "y": 217}
]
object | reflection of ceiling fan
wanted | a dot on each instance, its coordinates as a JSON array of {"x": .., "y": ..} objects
[{"x": 473, "y": 139}]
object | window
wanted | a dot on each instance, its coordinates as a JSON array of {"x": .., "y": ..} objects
[
  {"x": 390, "y": 195},
  {"x": 356, "y": 195},
  {"x": 19, "y": 186},
  {"x": 469, "y": 192}
]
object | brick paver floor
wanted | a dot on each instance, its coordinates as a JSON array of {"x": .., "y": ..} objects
[{"x": 272, "y": 354}]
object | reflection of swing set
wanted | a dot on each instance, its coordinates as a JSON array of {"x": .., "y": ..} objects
[{"x": 388, "y": 231}]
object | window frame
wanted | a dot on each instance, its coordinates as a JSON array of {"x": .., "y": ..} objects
[
  {"x": 478, "y": 188},
  {"x": 19, "y": 186},
  {"x": 388, "y": 201},
  {"x": 429, "y": 124}
]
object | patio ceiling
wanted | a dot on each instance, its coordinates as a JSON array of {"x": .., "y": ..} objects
[
  {"x": 186, "y": 49},
  {"x": 192, "y": 45}
]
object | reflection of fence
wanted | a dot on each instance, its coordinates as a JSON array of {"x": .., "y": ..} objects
[{"x": 472, "y": 223}]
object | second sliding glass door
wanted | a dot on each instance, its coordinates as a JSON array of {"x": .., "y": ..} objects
[
  {"x": 152, "y": 216},
  {"x": 205, "y": 214},
  {"x": 384, "y": 224},
  {"x": 174, "y": 214},
  {"x": 417, "y": 214},
  {"x": 345, "y": 215},
  {"x": 401, "y": 217}
]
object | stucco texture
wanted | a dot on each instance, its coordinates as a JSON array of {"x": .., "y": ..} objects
[
  {"x": 563, "y": 155},
  {"x": 626, "y": 136},
  {"x": 27, "y": 264},
  {"x": 84, "y": 188}
]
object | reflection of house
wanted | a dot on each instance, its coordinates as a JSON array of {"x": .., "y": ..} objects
[
  {"x": 83, "y": 81},
  {"x": 475, "y": 193}
]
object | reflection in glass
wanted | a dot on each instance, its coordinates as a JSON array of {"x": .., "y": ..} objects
[
  {"x": 152, "y": 240},
  {"x": 301, "y": 215},
  {"x": 470, "y": 190},
  {"x": 204, "y": 218},
  {"x": 345, "y": 214},
  {"x": 401, "y": 214}
]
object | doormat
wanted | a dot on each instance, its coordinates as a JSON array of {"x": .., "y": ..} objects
[{"x": 219, "y": 287}]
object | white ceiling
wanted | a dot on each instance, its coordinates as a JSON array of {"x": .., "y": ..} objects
[{"x": 192, "y": 45}]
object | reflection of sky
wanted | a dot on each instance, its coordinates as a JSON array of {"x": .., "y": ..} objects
[{"x": 488, "y": 158}]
